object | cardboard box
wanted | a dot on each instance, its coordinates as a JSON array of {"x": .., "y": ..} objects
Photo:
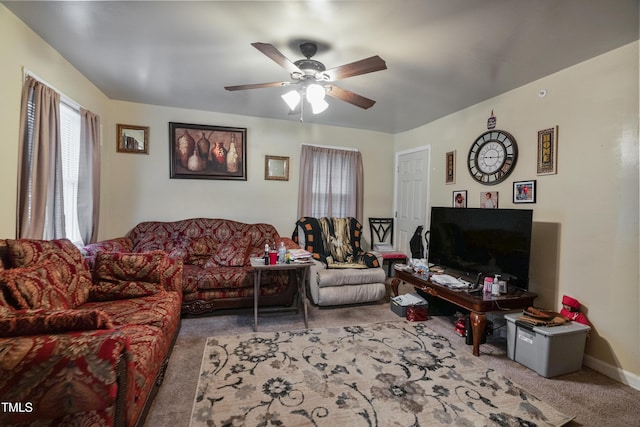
[
  {"x": 550, "y": 351},
  {"x": 400, "y": 303}
]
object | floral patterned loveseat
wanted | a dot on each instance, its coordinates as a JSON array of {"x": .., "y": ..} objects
[
  {"x": 78, "y": 346},
  {"x": 215, "y": 253}
]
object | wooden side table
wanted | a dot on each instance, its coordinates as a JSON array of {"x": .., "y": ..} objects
[{"x": 258, "y": 267}]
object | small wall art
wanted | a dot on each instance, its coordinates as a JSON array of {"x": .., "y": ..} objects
[
  {"x": 132, "y": 139},
  {"x": 548, "y": 151},
  {"x": 276, "y": 168},
  {"x": 450, "y": 163},
  {"x": 489, "y": 199},
  {"x": 459, "y": 199},
  {"x": 524, "y": 191},
  {"x": 207, "y": 152}
]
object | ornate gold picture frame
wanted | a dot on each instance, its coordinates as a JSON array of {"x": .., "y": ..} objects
[
  {"x": 548, "y": 151},
  {"x": 276, "y": 168},
  {"x": 132, "y": 139}
]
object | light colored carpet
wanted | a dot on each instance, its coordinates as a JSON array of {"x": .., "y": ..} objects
[
  {"x": 595, "y": 400},
  {"x": 381, "y": 374}
]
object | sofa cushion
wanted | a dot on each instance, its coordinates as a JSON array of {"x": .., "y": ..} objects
[
  {"x": 40, "y": 322},
  {"x": 127, "y": 275},
  {"x": 74, "y": 269},
  {"x": 200, "y": 249},
  {"x": 231, "y": 253},
  {"x": 36, "y": 286},
  {"x": 160, "y": 310}
]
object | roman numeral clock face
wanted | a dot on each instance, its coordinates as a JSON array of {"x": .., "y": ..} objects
[{"x": 492, "y": 157}]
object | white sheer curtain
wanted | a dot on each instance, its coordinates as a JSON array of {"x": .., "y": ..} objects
[{"x": 331, "y": 183}]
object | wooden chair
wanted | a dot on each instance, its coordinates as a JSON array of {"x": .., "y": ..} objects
[{"x": 382, "y": 242}]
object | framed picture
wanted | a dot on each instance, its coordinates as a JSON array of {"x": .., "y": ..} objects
[
  {"x": 276, "y": 168},
  {"x": 548, "y": 151},
  {"x": 207, "y": 152},
  {"x": 459, "y": 199},
  {"x": 450, "y": 162},
  {"x": 132, "y": 139},
  {"x": 489, "y": 199},
  {"x": 524, "y": 191}
]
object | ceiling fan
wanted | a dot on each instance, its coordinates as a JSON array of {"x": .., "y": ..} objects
[{"x": 312, "y": 79}]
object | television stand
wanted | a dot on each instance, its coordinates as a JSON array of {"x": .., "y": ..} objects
[{"x": 477, "y": 304}]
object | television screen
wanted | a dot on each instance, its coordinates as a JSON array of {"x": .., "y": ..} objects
[{"x": 488, "y": 241}]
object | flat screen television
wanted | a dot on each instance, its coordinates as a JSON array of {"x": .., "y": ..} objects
[{"x": 487, "y": 241}]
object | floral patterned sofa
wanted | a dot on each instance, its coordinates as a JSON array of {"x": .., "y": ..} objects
[
  {"x": 78, "y": 346},
  {"x": 215, "y": 253}
]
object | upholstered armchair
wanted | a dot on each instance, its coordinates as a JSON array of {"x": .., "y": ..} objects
[{"x": 342, "y": 273}]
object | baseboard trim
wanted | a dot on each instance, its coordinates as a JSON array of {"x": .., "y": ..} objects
[{"x": 614, "y": 372}]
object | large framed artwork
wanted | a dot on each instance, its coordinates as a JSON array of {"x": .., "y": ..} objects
[{"x": 207, "y": 152}]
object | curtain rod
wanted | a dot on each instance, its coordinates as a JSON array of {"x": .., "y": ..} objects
[
  {"x": 331, "y": 147},
  {"x": 64, "y": 98}
]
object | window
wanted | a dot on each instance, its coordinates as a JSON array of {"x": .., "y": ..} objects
[
  {"x": 330, "y": 182},
  {"x": 331, "y": 186},
  {"x": 70, "y": 147}
]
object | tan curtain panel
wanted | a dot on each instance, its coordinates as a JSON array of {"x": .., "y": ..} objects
[
  {"x": 89, "y": 177},
  {"x": 40, "y": 209},
  {"x": 331, "y": 183}
]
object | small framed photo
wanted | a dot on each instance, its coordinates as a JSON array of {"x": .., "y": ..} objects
[
  {"x": 459, "y": 199},
  {"x": 450, "y": 160},
  {"x": 132, "y": 139},
  {"x": 524, "y": 191},
  {"x": 548, "y": 151},
  {"x": 276, "y": 168},
  {"x": 489, "y": 199}
]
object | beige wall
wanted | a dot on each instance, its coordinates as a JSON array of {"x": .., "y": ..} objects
[
  {"x": 138, "y": 187},
  {"x": 586, "y": 217}
]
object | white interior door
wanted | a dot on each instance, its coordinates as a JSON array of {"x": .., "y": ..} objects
[{"x": 411, "y": 194}]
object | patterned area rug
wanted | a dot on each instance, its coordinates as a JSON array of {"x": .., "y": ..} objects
[{"x": 381, "y": 374}]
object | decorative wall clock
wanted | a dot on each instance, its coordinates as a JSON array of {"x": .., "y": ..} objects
[{"x": 492, "y": 157}]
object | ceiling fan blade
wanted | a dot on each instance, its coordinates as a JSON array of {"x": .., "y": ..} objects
[
  {"x": 364, "y": 66},
  {"x": 275, "y": 55},
  {"x": 257, "y": 86},
  {"x": 350, "y": 97}
]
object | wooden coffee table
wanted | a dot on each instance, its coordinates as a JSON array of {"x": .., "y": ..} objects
[
  {"x": 478, "y": 304},
  {"x": 258, "y": 267}
]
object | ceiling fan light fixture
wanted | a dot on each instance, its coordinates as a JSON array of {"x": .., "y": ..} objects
[
  {"x": 315, "y": 92},
  {"x": 319, "y": 106},
  {"x": 292, "y": 99}
]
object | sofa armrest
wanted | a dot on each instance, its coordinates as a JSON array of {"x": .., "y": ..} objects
[
  {"x": 378, "y": 255},
  {"x": 288, "y": 243},
  {"x": 172, "y": 274},
  {"x": 63, "y": 379}
]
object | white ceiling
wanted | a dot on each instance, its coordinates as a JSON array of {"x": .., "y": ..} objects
[{"x": 442, "y": 55}]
